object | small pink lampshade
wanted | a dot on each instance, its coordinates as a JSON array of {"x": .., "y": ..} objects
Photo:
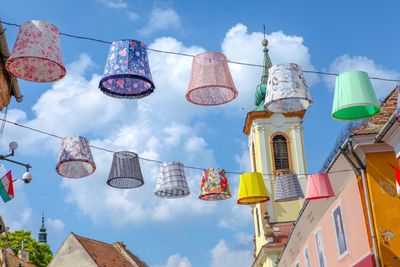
[
  {"x": 211, "y": 81},
  {"x": 319, "y": 186},
  {"x": 36, "y": 55}
]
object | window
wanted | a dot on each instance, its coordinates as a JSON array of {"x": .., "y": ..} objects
[
  {"x": 281, "y": 154},
  {"x": 320, "y": 248},
  {"x": 253, "y": 155},
  {"x": 339, "y": 230},
  {"x": 307, "y": 257}
]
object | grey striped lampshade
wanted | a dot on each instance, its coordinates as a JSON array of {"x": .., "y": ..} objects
[
  {"x": 172, "y": 182},
  {"x": 125, "y": 171},
  {"x": 287, "y": 188}
]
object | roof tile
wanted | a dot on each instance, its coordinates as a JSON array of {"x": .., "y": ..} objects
[{"x": 106, "y": 255}]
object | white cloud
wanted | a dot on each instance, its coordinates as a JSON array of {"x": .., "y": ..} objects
[
  {"x": 223, "y": 256},
  {"x": 133, "y": 16},
  {"x": 244, "y": 238},
  {"x": 176, "y": 260},
  {"x": 121, "y": 5},
  {"x": 55, "y": 224},
  {"x": 161, "y": 20},
  {"x": 347, "y": 63},
  {"x": 116, "y": 4},
  {"x": 241, "y": 45}
]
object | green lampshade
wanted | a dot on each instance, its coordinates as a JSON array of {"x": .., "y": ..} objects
[{"x": 354, "y": 97}]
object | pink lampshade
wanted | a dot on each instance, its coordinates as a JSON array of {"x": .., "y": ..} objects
[
  {"x": 36, "y": 55},
  {"x": 76, "y": 159},
  {"x": 319, "y": 186},
  {"x": 211, "y": 81}
]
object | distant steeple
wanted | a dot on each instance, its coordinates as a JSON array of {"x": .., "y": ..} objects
[
  {"x": 42, "y": 232},
  {"x": 262, "y": 87}
]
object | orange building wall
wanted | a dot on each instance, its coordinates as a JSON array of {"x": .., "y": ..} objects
[{"x": 385, "y": 205}]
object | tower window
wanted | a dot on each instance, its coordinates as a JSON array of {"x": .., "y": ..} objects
[
  {"x": 281, "y": 154},
  {"x": 258, "y": 222},
  {"x": 253, "y": 155}
]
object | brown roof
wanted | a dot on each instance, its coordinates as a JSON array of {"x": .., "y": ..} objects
[
  {"x": 281, "y": 237},
  {"x": 374, "y": 124},
  {"x": 108, "y": 255},
  {"x": 13, "y": 261}
]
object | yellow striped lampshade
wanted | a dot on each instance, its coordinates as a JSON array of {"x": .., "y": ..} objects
[{"x": 252, "y": 189}]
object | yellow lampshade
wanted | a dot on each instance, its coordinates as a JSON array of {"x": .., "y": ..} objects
[{"x": 252, "y": 189}]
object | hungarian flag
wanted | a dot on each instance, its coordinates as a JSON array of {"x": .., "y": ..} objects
[{"x": 6, "y": 187}]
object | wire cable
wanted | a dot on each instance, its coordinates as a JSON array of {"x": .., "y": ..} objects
[
  {"x": 142, "y": 158},
  {"x": 190, "y": 55}
]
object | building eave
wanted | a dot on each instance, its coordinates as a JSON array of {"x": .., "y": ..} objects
[
  {"x": 5, "y": 53},
  {"x": 253, "y": 115}
]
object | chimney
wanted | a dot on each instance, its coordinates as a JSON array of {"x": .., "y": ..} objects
[{"x": 121, "y": 248}]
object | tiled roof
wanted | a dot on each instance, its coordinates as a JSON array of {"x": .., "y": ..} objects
[
  {"x": 107, "y": 255},
  {"x": 374, "y": 124},
  {"x": 280, "y": 237},
  {"x": 13, "y": 261}
]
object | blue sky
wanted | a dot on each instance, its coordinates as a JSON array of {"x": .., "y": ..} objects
[{"x": 320, "y": 35}]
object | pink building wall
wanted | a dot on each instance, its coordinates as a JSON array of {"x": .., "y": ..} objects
[{"x": 354, "y": 227}]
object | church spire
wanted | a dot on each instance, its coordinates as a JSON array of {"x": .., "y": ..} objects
[
  {"x": 42, "y": 231},
  {"x": 262, "y": 87}
]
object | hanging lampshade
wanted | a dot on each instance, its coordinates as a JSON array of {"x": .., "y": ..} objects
[
  {"x": 127, "y": 71},
  {"x": 287, "y": 188},
  {"x": 211, "y": 81},
  {"x": 354, "y": 97},
  {"x": 214, "y": 185},
  {"x": 172, "y": 182},
  {"x": 252, "y": 189},
  {"x": 125, "y": 171},
  {"x": 319, "y": 186},
  {"x": 76, "y": 160},
  {"x": 287, "y": 89},
  {"x": 36, "y": 55}
]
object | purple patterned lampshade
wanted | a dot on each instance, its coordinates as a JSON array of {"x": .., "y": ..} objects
[
  {"x": 211, "y": 81},
  {"x": 36, "y": 55},
  {"x": 214, "y": 185},
  {"x": 76, "y": 160},
  {"x": 125, "y": 171},
  {"x": 127, "y": 71},
  {"x": 172, "y": 182}
]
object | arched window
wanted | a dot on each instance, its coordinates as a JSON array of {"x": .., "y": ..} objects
[{"x": 281, "y": 153}]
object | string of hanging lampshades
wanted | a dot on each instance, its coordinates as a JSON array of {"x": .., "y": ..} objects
[{"x": 37, "y": 57}]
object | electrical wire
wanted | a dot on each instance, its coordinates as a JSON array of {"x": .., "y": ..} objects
[
  {"x": 190, "y": 55},
  {"x": 142, "y": 158}
]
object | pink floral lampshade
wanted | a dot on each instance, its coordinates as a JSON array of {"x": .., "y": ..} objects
[
  {"x": 214, "y": 185},
  {"x": 319, "y": 186},
  {"x": 36, "y": 55},
  {"x": 76, "y": 160},
  {"x": 211, "y": 81}
]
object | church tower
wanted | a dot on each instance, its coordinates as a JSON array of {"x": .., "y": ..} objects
[
  {"x": 42, "y": 232},
  {"x": 276, "y": 148}
]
